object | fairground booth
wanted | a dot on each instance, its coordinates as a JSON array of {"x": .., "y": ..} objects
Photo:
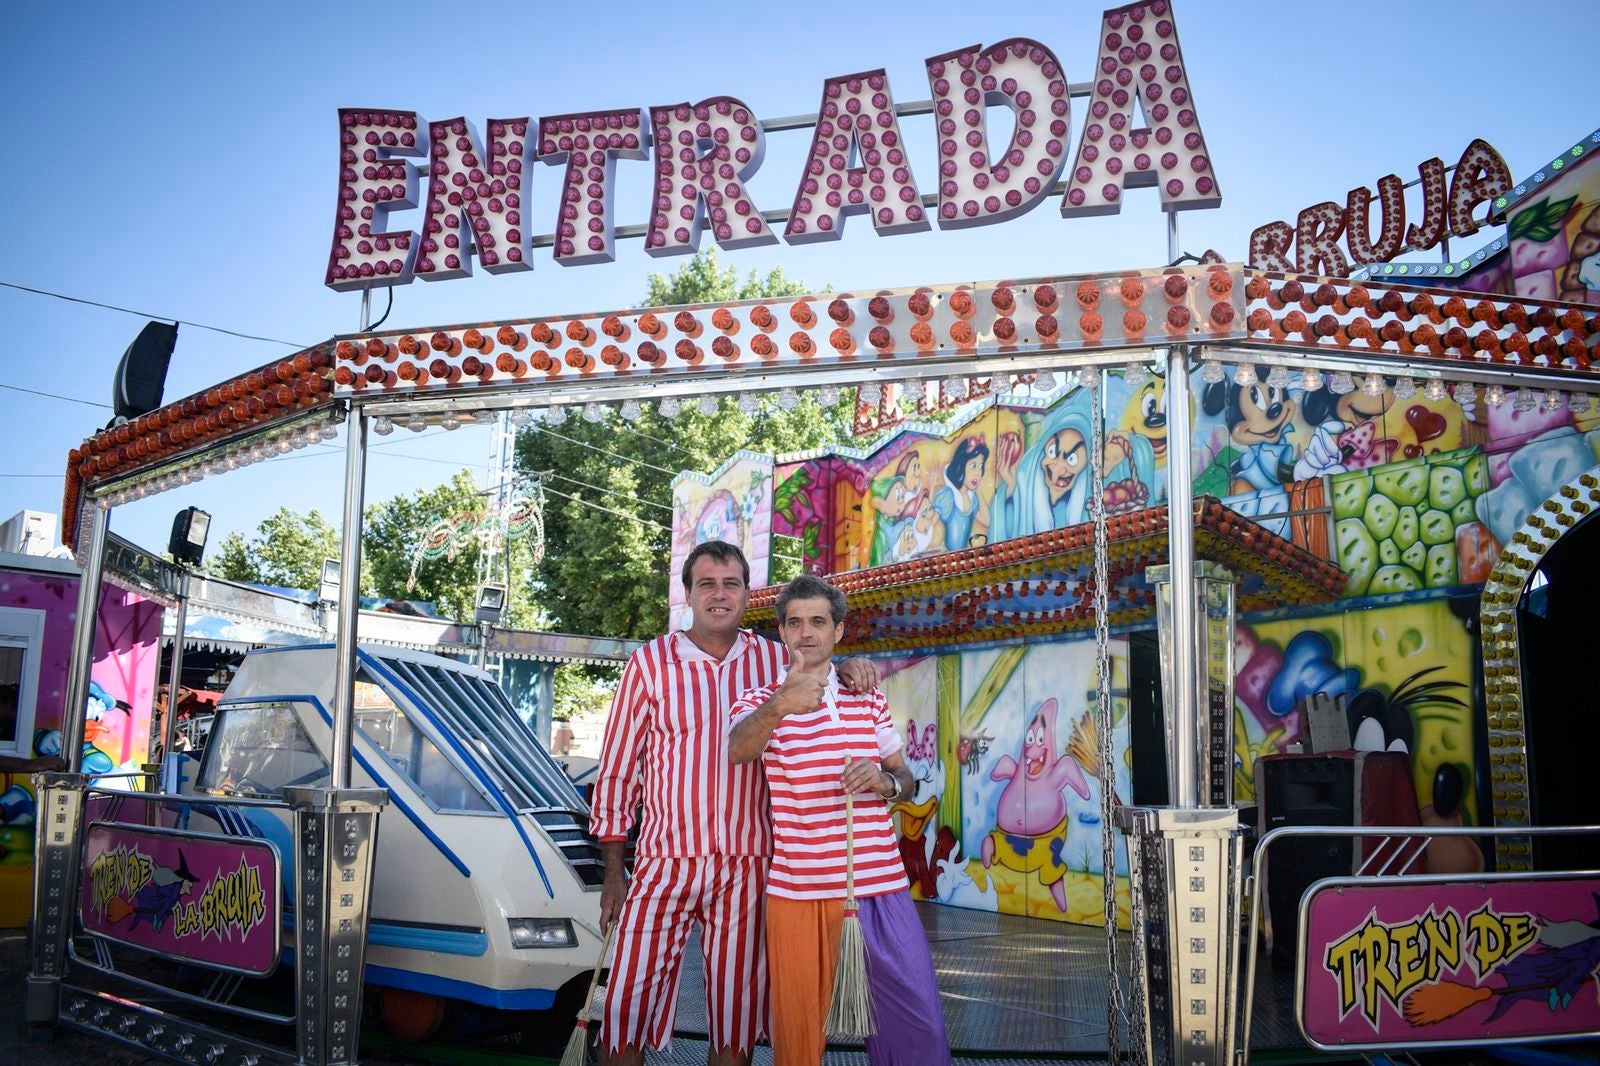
[{"x": 1237, "y": 604}]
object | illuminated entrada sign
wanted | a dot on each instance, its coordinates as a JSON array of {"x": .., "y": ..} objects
[{"x": 704, "y": 154}]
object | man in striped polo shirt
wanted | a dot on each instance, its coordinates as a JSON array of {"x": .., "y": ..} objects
[
  {"x": 815, "y": 746},
  {"x": 704, "y": 836}
]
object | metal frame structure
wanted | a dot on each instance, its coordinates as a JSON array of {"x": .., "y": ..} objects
[
  {"x": 1384, "y": 866},
  {"x": 473, "y": 372}
]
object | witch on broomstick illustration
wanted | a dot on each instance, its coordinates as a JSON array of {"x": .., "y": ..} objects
[
  {"x": 156, "y": 901},
  {"x": 1569, "y": 957}
]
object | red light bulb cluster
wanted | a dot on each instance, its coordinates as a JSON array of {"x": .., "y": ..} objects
[
  {"x": 1140, "y": 58},
  {"x": 704, "y": 153},
  {"x": 474, "y": 199},
  {"x": 589, "y": 145},
  {"x": 856, "y": 119},
  {"x": 977, "y": 185},
  {"x": 374, "y": 179}
]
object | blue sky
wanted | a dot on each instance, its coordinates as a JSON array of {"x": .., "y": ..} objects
[{"x": 181, "y": 159}]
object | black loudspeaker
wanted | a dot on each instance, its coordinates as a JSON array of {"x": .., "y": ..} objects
[
  {"x": 1303, "y": 791},
  {"x": 142, "y": 373}
]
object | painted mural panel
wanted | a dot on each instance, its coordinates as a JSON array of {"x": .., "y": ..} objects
[
  {"x": 924, "y": 494},
  {"x": 802, "y": 508},
  {"x": 1555, "y": 238},
  {"x": 1406, "y": 672},
  {"x": 117, "y": 726},
  {"x": 733, "y": 504},
  {"x": 1413, "y": 525},
  {"x": 1003, "y": 746}
]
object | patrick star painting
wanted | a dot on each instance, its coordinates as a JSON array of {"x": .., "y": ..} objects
[{"x": 1031, "y": 813}]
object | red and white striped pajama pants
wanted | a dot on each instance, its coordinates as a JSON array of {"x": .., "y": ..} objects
[{"x": 726, "y": 895}]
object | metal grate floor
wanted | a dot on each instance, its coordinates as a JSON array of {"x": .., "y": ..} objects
[{"x": 1009, "y": 985}]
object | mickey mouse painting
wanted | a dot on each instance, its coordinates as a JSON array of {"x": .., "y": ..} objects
[{"x": 1260, "y": 461}]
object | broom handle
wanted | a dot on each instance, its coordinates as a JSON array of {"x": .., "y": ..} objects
[
  {"x": 594, "y": 981},
  {"x": 849, "y": 847}
]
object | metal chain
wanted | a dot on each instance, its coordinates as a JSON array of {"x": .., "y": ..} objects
[{"x": 1116, "y": 1002}]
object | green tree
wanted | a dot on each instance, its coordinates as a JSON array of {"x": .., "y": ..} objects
[
  {"x": 608, "y": 509},
  {"x": 287, "y": 550},
  {"x": 396, "y": 529}
]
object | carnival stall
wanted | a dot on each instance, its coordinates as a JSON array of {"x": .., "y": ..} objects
[{"x": 1371, "y": 472}]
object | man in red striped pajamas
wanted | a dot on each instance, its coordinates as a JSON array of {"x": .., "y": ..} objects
[{"x": 705, "y": 838}]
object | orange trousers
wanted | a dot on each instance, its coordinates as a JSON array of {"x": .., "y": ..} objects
[{"x": 801, "y": 988}]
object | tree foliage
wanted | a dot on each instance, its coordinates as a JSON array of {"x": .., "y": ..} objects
[
  {"x": 287, "y": 550},
  {"x": 608, "y": 505}
]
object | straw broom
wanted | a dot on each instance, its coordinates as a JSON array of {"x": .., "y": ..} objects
[
  {"x": 850, "y": 1014},
  {"x": 1432, "y": 1004},
  {"x": 578, "y": 1042}
]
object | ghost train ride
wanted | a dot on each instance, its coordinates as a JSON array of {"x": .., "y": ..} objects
[{"x": 485, "y": 885}]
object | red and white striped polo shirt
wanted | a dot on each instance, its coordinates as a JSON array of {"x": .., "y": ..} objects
[
  {"x": 666, "y": 746},
  {"x": 804, "y": 763}
]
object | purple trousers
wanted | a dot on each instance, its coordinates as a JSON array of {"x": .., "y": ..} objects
[{"x": 905, "y": 995}]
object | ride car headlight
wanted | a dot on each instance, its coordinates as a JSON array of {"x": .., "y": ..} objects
[{"x": 543, "y": 933}]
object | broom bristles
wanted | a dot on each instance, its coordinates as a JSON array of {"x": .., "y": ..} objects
[
  {"x": 578, "y": 1042},
  {"x": 850, "y": 1013},
  {"x": 1435, "y": 1003},
  {"x": 577, "y": 1045}
]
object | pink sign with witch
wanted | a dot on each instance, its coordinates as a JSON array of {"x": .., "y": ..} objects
[
  {"x": 207, "y": 899},
  {"x": 1441, "y": 961}
]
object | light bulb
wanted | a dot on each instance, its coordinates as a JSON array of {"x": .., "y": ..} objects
[
  {"x": 593, "y": 412},
  {"x": 382, "y": 426},
  {"x": 521, "y": 417},
  {"x": 1524, "y": 400},
  {"x": 788, "y": 398},
  {"x": 1136, "y": 374},
  {"x": 1211, "y": 372},
  {"x": 1373, "y": 386},
  {"x": 869, "y": 392},
  {"x": 329, "y": 430},
  {"x": 748, "y": 403},
  {"x": 1342, "y": 384},
  {"x": 1433, "y": 390},
  {"x": 1405, "y": 388},
  {"x": 1311, "y": 380},
  {"x": 556, "y": 416},
  {"x": 708, "y": 404},
  {"x": 1244, "y": 375},
  {"x": 451, "y": 423},
  {"x": 1090, "y": 377},
  {"x": 1278, "y": 377},
  {"x": 631, "y": 411},
  {"x": 828, "y": 395},
  {"x": 954, "y": 387},
  {"x": 1578, "y": 402},
  {"x": 669, "y": 407},
  {"x": 1494, "y": 396},
  {"x": 416, "y": 423},
  {"x": 1552, "y": 400}
]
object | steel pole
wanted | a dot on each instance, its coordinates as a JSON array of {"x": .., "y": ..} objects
[
  {"x": 355, "y": 473},
  {"x": 169, "y": 723},
  {"x": 82, "y": 661},
  {"x": 1183, "y": 715}
]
